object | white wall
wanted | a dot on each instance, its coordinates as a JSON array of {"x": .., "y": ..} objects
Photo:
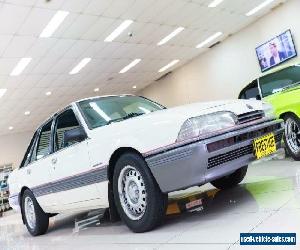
[
  {"x": 13, "y": 147},
  {"x": 221, "y": 72}
]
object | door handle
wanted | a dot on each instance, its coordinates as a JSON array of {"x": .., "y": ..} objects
[
  {"x": 28, "y": 171},
  {"x": 54, "y": 161}
]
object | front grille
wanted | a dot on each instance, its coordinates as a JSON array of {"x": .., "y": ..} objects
[
  {"x": 235, "y": 154},
  {"x": 214, "y": 146},
  {"x": 229, "y": 156},
  {"x": 250, "y": 116}
]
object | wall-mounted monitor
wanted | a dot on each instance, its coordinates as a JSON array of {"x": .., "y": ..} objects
[{"x": 277, "y": 50}]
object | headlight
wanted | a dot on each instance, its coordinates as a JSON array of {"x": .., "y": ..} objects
[
  {"x": 204, "y": 124},
  {"x": 268, "y": 110}
]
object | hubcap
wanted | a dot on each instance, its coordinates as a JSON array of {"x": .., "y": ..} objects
[
  {"x": 132, "y": 192},
  {"x": 292, "y": 132},
  {"x": 29, "y": 212}
]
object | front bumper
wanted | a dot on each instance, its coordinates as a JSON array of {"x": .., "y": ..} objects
[{"x": 205, "y": 160}]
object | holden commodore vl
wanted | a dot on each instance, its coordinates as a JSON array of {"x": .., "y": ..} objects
[{"x": 126, "y": 153}]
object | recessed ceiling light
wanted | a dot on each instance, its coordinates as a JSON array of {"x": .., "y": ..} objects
[
  {"x": 123, "y": 26},
  {"x": 48, "y": 93},
  {"x": 10, "y": 127},
  {"x": 96, "y": 90},
  {"x": 134, "y": 87},
  {"x": 130, "y": 65},
  {"x": 2, "y": 92},
  {"x": 27, "y": 113},
  {"x": 259, "y": 7},
  {"x": 170, "y": 36},
  {"x": 208, "y": 40},
  {"x": 80, "y": 65},
  {"x": 54, "y": 23},
  {"x": 22, "y": 64},
  {"x": 215, "y": 3},
  {"x": 169, "y": 65}
]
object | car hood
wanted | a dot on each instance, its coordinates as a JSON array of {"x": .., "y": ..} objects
[
  {"x": 191, "y": 110},
  {"x": 162, "y": 127}
]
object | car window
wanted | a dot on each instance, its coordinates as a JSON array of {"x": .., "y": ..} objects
[
  {"x": 43, "y": 147},
  {"x": 277, "y": 81},
  {"x": 65, "y": 122},
  {"x": 251, "y": 91},
  {"x": 102, "y": 111},
  {"x": 28, "y": 155}
]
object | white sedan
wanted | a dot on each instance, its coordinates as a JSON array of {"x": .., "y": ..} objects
[{"x": 126, "y": 153}]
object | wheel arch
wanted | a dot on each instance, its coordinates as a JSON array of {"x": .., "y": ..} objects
[
  {"x": 283, "y": 115},
  {"x": 114, "y": 158},
  {"x": 23, "y": 189},
  {"x": 113, "y": 212}
]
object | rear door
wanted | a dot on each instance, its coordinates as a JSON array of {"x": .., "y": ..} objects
[
  {"x": 74, "y": 179},
  {"x": 36, "y": 168}
]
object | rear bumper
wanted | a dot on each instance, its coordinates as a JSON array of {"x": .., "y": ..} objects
[{"x": 205, "y": 160}]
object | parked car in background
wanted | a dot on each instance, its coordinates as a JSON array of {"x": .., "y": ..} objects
[
  {"x": 281, "y": 88},
  {"x": 127, "y": 153}
]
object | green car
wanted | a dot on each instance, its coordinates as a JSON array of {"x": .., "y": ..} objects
[{"x": 281, "y": 88}]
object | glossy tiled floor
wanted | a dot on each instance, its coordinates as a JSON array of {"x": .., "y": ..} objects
[{"x": 267, "y": 201}]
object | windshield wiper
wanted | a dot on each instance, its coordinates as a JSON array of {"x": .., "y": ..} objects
[
  {"x": 291, "y": 86},
  {"x": 128, "y": 116}
]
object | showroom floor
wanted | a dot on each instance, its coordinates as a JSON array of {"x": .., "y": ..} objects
[{"x": 267, "y": 201}]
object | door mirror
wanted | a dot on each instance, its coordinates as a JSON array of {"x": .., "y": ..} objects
[
  {"x": 258, "y": 97},
  {"x": 73, "y": 136}
]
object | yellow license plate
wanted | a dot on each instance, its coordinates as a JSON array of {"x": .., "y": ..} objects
[{"x": 264, "y": 146}]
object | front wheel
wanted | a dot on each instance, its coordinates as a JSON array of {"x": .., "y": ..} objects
[
  {"x": 231, "y": 180},
  {"x": 36, "y": 220},
  {"x": 292, "y": 136},
  {"x": 138, "y": 198}
]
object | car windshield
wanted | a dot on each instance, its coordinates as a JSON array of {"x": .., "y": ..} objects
[
  {"x": 105, "y": 110},
  {"x": 280, "y": 80}
]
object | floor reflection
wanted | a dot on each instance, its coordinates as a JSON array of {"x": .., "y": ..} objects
[
  {"x": 256, "y": 195},
  {"x": 267, "y": 188},
  {"x": 211, "y": 201},
  {"x": 251, "y": 197}
]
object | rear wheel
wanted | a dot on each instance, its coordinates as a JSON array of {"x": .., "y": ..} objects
[
  {"x": 231, "y": 180},
  {"x": 292, "y": 136},
  {"x": 36, "y": 220},
  {"x": 139, "y": 201}
]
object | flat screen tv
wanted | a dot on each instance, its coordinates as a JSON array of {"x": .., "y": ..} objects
[{"x": 277, "y": 50}]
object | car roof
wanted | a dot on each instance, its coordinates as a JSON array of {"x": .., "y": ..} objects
[{"x": 102, "y": 96}]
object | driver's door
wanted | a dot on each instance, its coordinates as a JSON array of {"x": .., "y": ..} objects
[{"x": 72, "y": 174}]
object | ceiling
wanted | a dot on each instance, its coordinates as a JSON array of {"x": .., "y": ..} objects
[{"x": 82, "y": 34}]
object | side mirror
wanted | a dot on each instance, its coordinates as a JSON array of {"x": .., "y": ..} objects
[
  {"x": 74, "y": 135},
  {"x": 258, "y": 97}
]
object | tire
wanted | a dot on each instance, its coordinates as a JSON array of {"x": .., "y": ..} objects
[
  {"x": 231, "y": 180},
  {"x": 292, "y": 136},
  {"x": 138, "y": 198},
  {"x": 39, "y": 225}
]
